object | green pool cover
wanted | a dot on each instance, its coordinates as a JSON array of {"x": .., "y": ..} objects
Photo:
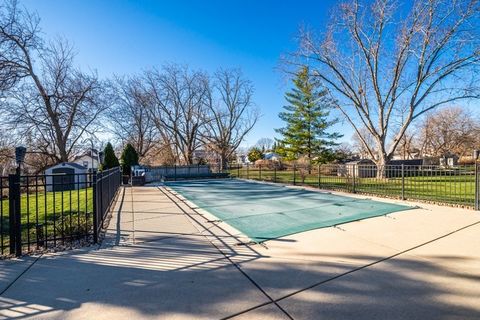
[{"x": 265, "y": 211}]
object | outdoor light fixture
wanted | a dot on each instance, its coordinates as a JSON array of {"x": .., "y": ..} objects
[
  {"x": 20, "y": 155},
  {"x": 101, "y": 156}
]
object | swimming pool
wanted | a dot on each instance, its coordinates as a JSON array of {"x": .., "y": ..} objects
[{"x": 264, "y": 211}]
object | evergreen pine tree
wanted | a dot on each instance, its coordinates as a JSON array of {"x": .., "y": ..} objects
[
  {"x": 255, "y": 154},
  {"x": 307, "y": 121},
  {"x": 110, "y": 160},
  {"x": 129, "y": 158}
]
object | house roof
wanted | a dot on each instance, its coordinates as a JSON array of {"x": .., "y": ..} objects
[
  {"x": 360, "y": 161},
  {"x": 87, "y": 153},
  {"x": 69, "y": 164},
  {"x": 410, "y": 162},
  {"x": 271, "y": 155}
]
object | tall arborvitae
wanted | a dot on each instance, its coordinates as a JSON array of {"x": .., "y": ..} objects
[
  {"x": 110, "y": 160},
  {"x": 307, "y": 121},
  {"x": 129, "y": 158}
]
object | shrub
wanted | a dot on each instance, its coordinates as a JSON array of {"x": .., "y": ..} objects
[
  {"x": 129, "y": 158},
  {"x": 255, "y": 154},
  {"x": 268, "y": 164},
  {"x": 111, "y": 160}
]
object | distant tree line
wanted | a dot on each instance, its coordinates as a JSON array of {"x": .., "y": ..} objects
[
  {"x": 166, "y": 114},
  {"x": 387, "y": 64},
  {"x": 394, "y": 71},
  {"x": 450, "y": 131},
  {"x": 386, "y": 67}
]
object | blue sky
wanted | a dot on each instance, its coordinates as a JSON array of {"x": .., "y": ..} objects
[{"x": 127, "y": 36}]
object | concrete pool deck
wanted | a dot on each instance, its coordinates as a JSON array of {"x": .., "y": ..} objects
[{"x": 163, "y": 260}]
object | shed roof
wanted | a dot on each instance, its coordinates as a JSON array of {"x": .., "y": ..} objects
[
  {"x": 361, "y": 161},
  {"x": 68, "y": 164},
  {"x": 410, "y": 162}
]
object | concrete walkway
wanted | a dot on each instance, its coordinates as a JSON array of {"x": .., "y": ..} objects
[{"x": 161, "y": 259}]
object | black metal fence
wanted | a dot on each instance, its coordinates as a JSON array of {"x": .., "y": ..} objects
[
  {"x": 459, "y": 185},
  {"x": 40, "y": 212},
  {"x": 106, "y": 185},
  {"x": 179, "y": 172}
]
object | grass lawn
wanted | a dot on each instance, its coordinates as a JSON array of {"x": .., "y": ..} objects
[
  {"x": 441, "y": 187},
  {"x": 60, "y": 214}
]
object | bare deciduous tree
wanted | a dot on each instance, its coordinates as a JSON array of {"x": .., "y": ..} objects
[
  {"x": 231, "y": 113},
  {"x": 6, "y": 152},
  {"x": 452, "y": 130},
  {"x": 18, "y": 29},
  {"x": 180, "y": 99},
  {"x": 406, "y": 148},
  {"x": 130, "y": 116},
  {"x": 344, "y": 151},
  {"x": 381, "y": 65},
  {"x": 55, "y": 104},
  {"x": 360, "y": 140},
  {"x": 265, "y": 144}
]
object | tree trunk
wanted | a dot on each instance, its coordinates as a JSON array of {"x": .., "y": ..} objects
[
  {"x": 224, "y": 160},
  {"x": 381, "y": 164},
  {"x": 189, "y": 158},
  {"x": 62, "y": 150}
]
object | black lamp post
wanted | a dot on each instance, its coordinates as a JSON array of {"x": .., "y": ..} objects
[
  {"x": 101, "y": 156},
  {"x": 91, "y": 151},
  {"x": 20, "y": 153}
]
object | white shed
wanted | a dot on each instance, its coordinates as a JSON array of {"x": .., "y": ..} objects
[
  {"x": 66, "y": 176},
  {"x": 364, "y": 168}
]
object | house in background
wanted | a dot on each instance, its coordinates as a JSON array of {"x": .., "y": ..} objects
[
  {"x": 449, "y": 160},
  {"x": 242, "y": 159},
  {"x": 202, "y": 156},
  {"x": 272, "y": 156},
  {"x": 88, "y": 159},
  {"x": 66, "y": 176}
]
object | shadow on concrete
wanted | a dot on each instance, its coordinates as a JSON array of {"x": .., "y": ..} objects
[
  {"x": 399, "y": 288},
  {"x": 184, "y": 276},
  {"x": 179, "y": 276},
  {"x": 175, "y": 276}
]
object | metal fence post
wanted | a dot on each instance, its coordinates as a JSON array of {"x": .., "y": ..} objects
[
  {"x": 109, "y": 195},
  {"x": 95, "y": 207},
  {"x": 11, "y": 212},
  {"x": 319, "y": 166},
  {"x": 259, "y": 172},
  {"x": 175, "y": 172},
  {"x": 238, "y": 171},
  {"x": 353, "y": 177},
  {"x": 274, "y": 173},
  {"x": 100, "y": 193},
  {"x": 403, "y": 181},
  {"x": 14, "y": 214},
  {"x": 294, "y": 174},
  {"x": 248, "y": 167},
  {"x": 477, "y": 187}
]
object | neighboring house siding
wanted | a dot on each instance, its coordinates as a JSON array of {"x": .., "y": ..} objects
[{"x": 86, "y": 161}]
